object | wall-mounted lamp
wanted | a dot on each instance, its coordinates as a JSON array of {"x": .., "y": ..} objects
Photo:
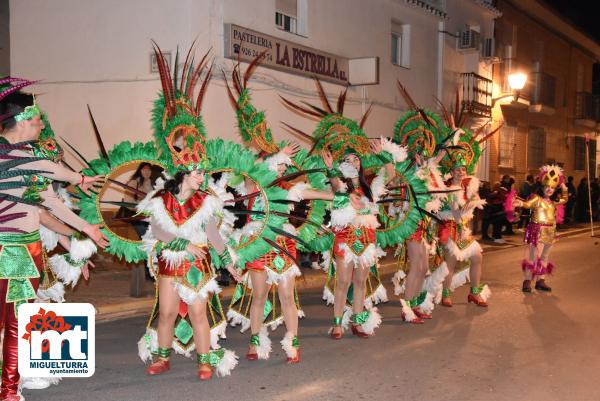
[{"x": 517, "y": 81}]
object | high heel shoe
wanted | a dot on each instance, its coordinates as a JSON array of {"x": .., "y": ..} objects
[
  {"x": 357, "y": 332},
  {"x": 476, "y": 299},
  {"x": 158, "y": 367},
  {"x": 204, "y": 374},
  {"x": 337, "y": 323},
  {"x": 421, "y": 315},
  {"x": 416, "y": 320},
  {"x": 254, "y": 341},
  {"x": 295, "y": 359},
  {"x": 446, "y": 300}
]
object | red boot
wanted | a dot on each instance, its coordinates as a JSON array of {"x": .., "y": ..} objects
[
  {"x": 420, "y": 314},
  {"x": 476, "y": 299}
]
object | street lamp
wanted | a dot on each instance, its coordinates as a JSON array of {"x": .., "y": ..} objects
[{"x": 517, "y": 81}]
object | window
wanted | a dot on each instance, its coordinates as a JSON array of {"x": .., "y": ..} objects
[
  {"x": 290, "y": 16},
  {"x": 400, "y": 42},
  {"x": 285, "y": 22},
  {"x": 536, "y": 147},
  {"x": 507, "y": 146}
]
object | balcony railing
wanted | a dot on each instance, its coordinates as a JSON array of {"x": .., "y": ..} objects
[
  {"x": 477, "y": 94},
  {"x": 543, "y": 89},
  {"x": 587, "y": 106}
]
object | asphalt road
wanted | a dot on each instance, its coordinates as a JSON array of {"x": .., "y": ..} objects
[{"x": 524, "y": 347}]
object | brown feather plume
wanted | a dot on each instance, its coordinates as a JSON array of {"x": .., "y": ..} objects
[
  {"x": 252, "y": 66},
  {"x": 186, "y": 64},
  {"x": 363, "y": 120},
  {"x": 298, "y": 132},
  {"x": 323, "y": 95},
  {"x": 342, "y": 101},
  {"x": 300, "y": 108},
  {"x": 203, "y": 88},
  {"x": 196, "y": 75},
  {"x": 407, "y": 98}
]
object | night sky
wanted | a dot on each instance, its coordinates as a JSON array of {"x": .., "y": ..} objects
[{"x": 582, "y": 13}]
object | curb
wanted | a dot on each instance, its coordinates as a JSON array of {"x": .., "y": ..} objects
[{"x": 311, "y": 279}]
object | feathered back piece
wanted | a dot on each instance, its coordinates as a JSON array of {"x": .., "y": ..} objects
[
  {"x": 335, "y": 132},
  {"x": 252, "y": 123},
  {"x": 176, "y": 119}
]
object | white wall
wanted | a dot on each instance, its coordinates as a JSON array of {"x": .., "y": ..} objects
[{"x": 97, "y": 52}]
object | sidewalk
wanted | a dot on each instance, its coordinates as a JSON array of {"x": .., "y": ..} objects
[{"x": 109, "y": 286}]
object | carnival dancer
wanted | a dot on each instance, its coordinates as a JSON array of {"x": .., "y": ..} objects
[
  {"x": 455, "y": 234},
  {"x": 22, "y": 123},
  {"x": 277, "y": 269},
  {"x": 546, "y": 212},
  {"x": 183, "y": 235},
  {"x": 354, "y": 220},
  {"x": 342, "y": 142},
  {"x": 418, "y": 130}
]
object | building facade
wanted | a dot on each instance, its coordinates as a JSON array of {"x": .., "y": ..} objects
[
  {"x": 99, "y": 53},
  {"x": 556, "y": 110}
]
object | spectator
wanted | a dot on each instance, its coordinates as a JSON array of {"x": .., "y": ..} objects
[
  {"x": 582, "y": 207},
  {"x": 507, "y": 184},
  {"x": 595, "y": 187},
  {"x": 572, "y": 199},
  {"x": 493, "y": 214},
  {"x": 524, "y": 193}
]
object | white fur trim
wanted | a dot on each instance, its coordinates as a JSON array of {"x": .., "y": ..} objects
[
  {"x": 193, "y": 228},
  {"x": 485, "y": 293},
  {"x": 216, "y": 333},
  {"x": 463, "y": 254},
  {"x": 434, "y": 205},
  {"x": 460, "y": 278},
  {"x": 64, "y": 271},
  {"x": 473, "y": 187},
  {"x": 55, "y": 293},
  {"x": 348, "y": 170},
  {"x": 291, "y": 273},
  {"x": 286, "y": 344},
  {"x": 226, "y": 364},
  {"x": 278, "y": 158},
  {"x": 183, "y": 351},
  {"x": 379, "y": 295},
  {"x": 398, "y": 151},
  {"x": 49, "y": 238},
  {"x": 295, "y": 192},
  {"x": 367, "y": 259},
  {"x": 189, "y": 296},
  {"x": 275, "y": 323},
  {"x": 173, "y": 258},
  {"x": 81, "y": 249},
  {"x": 38, "y": 383},
  {"x": 378, "y": 185},
  {"x": 66, "y": 197},
  {"x": 373, "y": 322},
  {"x": 399, "y": 282},
  {"x": 326, "y": 263},
  {"x": 346, "y": 318},
  {"x": 407, "y": 312},
  {"x": 148, "y": 345},
  {"x": 264, "y": 348},
  {"x": 434, "y": 282},
  {"x": 235, "y": 318},
  {"x": 427, "y": 305},
  {"x": 328, "y": 296}
]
